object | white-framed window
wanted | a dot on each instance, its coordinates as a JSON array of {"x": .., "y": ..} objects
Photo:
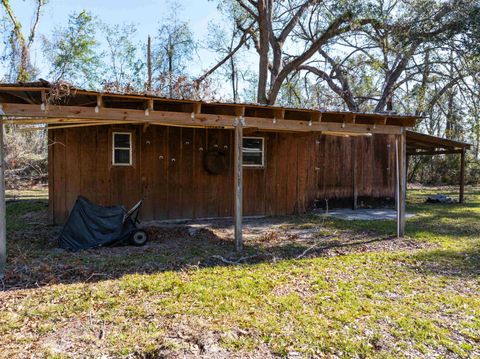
[
  {"x": 122, "y": 148},
  {"x": 253, "y": 152}
]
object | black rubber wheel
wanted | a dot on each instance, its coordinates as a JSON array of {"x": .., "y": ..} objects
[{"x": 139, "y": 238}]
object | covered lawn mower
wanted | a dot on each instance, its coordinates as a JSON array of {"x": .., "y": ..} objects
[{"x": 90, "y": 225}]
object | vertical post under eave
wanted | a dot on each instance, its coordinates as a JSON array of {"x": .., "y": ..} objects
[
  {"x": 3, "y": 209},
  {"x": 461, "y": 198},
  {"x": 397, "y": 186},
  {"x": 354, "y": 174},
  {"x": 238, "y": 179},
  {"x": 401, "y": 181}
]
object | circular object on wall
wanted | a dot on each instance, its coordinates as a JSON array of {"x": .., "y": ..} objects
[{"x": 215, "y": 161}]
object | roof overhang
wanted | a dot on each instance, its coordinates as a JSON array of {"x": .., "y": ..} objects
[
  {"x": 42, "y": 103},
  {"x": 421, "y": 144}
]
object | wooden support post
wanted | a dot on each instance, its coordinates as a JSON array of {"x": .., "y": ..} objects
[
  {"x": 397, "y": 186},
  {"x": 197, "y": 109},
  {"x": 238, "y": 179},
  {"x": 401, "y": 181},
  {"x": 407, "y": 164},
  {"x": 461, "y": 198},
  {"x": 354, "y": 173},
  {"x": 3, "y": 209},
  {"x": 43, "y": 106},
  {"x": 99, "y": 103},
  {"x": 403, "y": 177}
]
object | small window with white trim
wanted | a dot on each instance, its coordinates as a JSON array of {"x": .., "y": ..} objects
[
  {"x": 122, "y": 149},
  {"x": 253, "y": 152}
]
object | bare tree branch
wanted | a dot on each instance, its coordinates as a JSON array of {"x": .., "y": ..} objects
[{"x": 243, "y": 39}]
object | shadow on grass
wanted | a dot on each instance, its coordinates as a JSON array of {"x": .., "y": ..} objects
[
  {"x": 34, "y": 259},
  {"x": 449, "y": 262}
]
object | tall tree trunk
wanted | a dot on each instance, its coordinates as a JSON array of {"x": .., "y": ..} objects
[
  {"x": 450, "y": 124},
  {"x": 422, "y": 91},
  {"x": 233, "y": 79},
  {"x": 170, "y": 74},
  {"x": 390, "y": 102},
  {"x": 263, "y": 13},
  {"x": 23, "y": 73},
  {"x": 21, "y": 42}
]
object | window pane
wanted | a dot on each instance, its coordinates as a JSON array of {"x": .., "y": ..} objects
[
  {"x": 122, "y": 140},
  {"x": 252, "y": 158},
  {"x": 122, "y": 157},
  {"x": 252, "y": 144}
]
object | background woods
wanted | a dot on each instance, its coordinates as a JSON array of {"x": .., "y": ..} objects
[{"x": 420, "y": 56}]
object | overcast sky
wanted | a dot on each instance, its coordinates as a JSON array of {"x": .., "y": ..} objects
[{"x": 145, "y": 14}]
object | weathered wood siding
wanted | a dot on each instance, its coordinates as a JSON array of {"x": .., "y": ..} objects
[{"x": 168, "y": 172}]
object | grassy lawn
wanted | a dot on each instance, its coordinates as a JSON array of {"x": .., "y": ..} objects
[{"x": 358, "y": 293}]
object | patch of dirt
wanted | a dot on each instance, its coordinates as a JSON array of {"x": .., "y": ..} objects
[
  {"x": 301, "y": 288},
  {"x": 180, "y": 337},
  {"x": 35, "y": 260},
  {"x": 38, "y": 218}
]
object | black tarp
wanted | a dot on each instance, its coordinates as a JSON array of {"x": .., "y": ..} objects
[{"x": 90, "y": 225}]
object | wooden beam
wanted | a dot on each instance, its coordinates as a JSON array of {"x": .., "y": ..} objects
[
  {"x": 433, "y": 153},
  {"x": 461, "y": 197},
  {"x": 3, "y": 210},
  {"x": 344, "y": 134},
  {"x": 47, "y": 121},
  {"x": 69, "y": 126},
  {"x": 184, "y": 118},
  {"x": 238, "y": 180}
]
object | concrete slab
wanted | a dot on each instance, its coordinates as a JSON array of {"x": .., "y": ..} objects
[{"x": 365, "y": 214}]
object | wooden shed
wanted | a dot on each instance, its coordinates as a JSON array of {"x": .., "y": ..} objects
[
  {"x": 180, "y": 154},
  {"x": 193, "y": 159},
  {"x": 184, "y": 173}
]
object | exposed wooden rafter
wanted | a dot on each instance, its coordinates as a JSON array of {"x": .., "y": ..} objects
[
  {"x": 103, "y": 101},
  {"x": 173, "y": 118}
]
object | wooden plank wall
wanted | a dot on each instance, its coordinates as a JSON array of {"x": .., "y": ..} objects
[
  {"x": 374, "y": 160},
  {"x": 168, "y": 171}
]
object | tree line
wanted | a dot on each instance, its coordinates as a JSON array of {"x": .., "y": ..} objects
[{"x": 408, "y": 56}]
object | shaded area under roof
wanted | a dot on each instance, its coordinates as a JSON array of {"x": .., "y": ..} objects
[{"x": 422, "y": 144}]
